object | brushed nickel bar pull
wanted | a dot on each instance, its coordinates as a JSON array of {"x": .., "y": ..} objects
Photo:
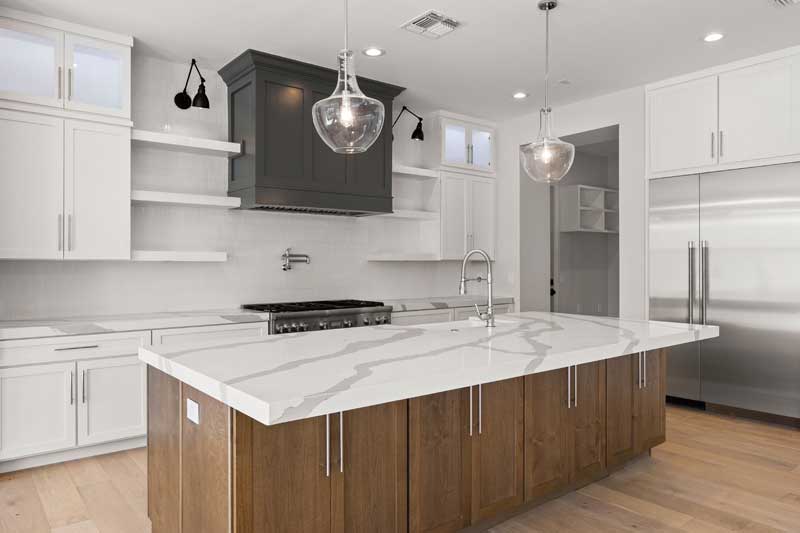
[
  {"x": 704, "y": 281},
  {"x": 721, "y": 144},
  {"x": 69, "y": 84},
  {"x": 83, "y": 386},
  {"x": 644, "y": 370},
  {"x": 691, "y": 281},
  {"x": 470, "y": 411},
  {"x": 569, "y": 387},
  {"x": 69, "y": 232},
  {"x": 327, "y": 445},
  {"x": 575, "y": 400},
  {"x": 713, "y": 143},
  {"x": 639, "y": 365},
  {"x": 71, "y": 387},
  {"x": 341, "y": 441},
  {"x": 60, "y": 232},
  {"x": 68, "y": 348},
  {"x": 60, "y": 82},
  {"x": 480, "y": 409}
]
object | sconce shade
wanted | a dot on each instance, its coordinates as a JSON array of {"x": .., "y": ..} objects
[
  {"x": 200, "y": 99},
  {"x": 418, "y": 134}
]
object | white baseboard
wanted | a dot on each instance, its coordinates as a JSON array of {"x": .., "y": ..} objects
[{"x": 71, "y": 455}]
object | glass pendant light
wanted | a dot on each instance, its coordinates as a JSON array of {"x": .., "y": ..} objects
[
  {"x": 348, "y": 120},
  {"x": 548, "y": 159}
]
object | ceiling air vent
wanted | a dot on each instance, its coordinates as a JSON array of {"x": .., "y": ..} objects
[
  {"x": 431, "y": 25},
  {"x": 786, "y": 3}
]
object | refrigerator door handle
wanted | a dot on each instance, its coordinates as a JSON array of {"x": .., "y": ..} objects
[
  {"x": 703, "y": 282},
  {"x": 691, "y": 281}
]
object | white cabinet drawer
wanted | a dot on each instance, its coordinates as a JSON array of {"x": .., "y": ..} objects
[
  {"x": 464, "y": 313},
  {"x": 203, "y": 334},
  {"x": 60, "y": 349},
  {"x": 412, "y": 318}
]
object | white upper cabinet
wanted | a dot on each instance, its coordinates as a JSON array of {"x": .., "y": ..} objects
[
  {"x": 54, "y": 63},
  {"x": 738, "y": 115},
  {"x": 31, "y": 186},
  {"x": 459, "y": 143},
  {"x": 98, "y": 76},
  {"x": 31, "y": 63},
  {"x": 97, "y": 191},
  {"x": 468, "y": 214},
  {"x": 683, "y": 126},
  {"x": 755, "y": 119}
]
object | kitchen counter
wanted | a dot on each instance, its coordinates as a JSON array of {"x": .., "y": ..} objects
[
  {"x": 442, "y": 302},
  {"x": 297, "y": 376},
  {"x": 15, "y": 330}
]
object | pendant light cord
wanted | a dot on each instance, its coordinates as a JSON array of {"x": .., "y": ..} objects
[
  {"x": 346, "y": 43},
  {"x": 546, "y": 59}
]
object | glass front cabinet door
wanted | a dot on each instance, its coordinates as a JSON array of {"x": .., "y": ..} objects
[
  {"x": 97, "y": 76},
  {"x": 467, "y": 146},
  {"x": 31, "y": 63}
]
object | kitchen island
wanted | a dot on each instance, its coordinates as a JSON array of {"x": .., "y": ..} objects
[{"x": 436, "y": 427}]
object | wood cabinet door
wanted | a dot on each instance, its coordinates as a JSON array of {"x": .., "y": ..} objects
[
  {"x": 622, "y": 383},
  {"x": 588, "y": 422},
  {"x": 682, "y": 126},
  {"x": 370, "y": 469},
  {"x": 547, "y": 457},
  {"x": 439, "y": 457},
  {"x": 650, "y": 411},
  {"x": 97, "y": 191},
  {"x": 497, "y": 449},
  {"x": 279, "y": 476},
  {"x": 163, "y": 450}
]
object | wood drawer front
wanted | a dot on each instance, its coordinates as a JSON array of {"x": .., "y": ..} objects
[
  {"x": 60, "y": 349},
  {"x": 204, "y": 334}
]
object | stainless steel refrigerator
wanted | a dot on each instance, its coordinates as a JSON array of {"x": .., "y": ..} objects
[{"x": 725, "y": 250}]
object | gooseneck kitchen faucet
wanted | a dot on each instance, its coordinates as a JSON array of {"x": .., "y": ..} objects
[{"x": 488, "y": 316}]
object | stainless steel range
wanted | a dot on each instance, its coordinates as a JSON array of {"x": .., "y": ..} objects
[{"x": 290, "y": 317}]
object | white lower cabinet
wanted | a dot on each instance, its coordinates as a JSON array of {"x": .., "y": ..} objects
[
  {"x": 112, "y": 399},
  {"x": 37, "y": 409}
]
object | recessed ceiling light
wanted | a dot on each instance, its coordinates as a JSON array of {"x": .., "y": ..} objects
[
  {"x": 373, "y": 51},
  {"x": 713, "y": 37},
  {"x": 520, "y": 95}
]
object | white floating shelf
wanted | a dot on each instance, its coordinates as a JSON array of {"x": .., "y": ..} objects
[
  {"x": 186, "y": 144},
  {"x": 412, "y": 214},
  {"x": 406, "y": 171},
  {"x": 174, "y": 198},
  {"x": 402, "y": 257},
  {"x": 182, "y": 257}
]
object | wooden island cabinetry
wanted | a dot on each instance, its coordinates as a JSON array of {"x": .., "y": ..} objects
[{"x": 460, "y": 459}]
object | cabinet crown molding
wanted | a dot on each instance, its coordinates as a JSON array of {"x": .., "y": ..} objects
[{"x": 32, "y": 18}]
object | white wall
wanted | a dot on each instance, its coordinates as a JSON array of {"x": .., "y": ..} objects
[
  {"x": 527, "y": 224},
  {"x": 254, "y": 240}
]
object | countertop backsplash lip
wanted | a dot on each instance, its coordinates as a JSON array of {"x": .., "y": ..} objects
[{"x": 119, "y": 323}]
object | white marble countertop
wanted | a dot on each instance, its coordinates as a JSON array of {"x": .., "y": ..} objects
[
  {"x": 295, "y": 376},
  {"x": 442, "y": 302},
  {"x": 31, "y": 329}
]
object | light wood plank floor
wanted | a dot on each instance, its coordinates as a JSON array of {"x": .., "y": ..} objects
[{"x": 713, "y": 474}]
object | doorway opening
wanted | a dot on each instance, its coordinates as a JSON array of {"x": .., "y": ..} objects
[{"x": 584, "y": 228}]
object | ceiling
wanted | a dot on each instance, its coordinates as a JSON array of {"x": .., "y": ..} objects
[{"x": 600, "y": 46}]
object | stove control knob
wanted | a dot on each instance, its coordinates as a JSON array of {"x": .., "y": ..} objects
[
  {"x": 303, "y": 326},
  {"x": 294, "y": 327},
  {"x": 348, "y": 323},
  {"x": 366, "y": 321},
  {"x": 323, "y": 325},
  {"x": 280, "y": 328},
  {"x": 380, "y": 320}
]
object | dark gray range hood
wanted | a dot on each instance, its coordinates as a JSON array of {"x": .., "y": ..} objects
[{"x": 285, "y": 165}]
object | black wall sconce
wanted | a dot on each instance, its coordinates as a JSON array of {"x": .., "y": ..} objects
[
  {"x": 184, "y": 101},
  {"x": 417, "y": 134}
]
